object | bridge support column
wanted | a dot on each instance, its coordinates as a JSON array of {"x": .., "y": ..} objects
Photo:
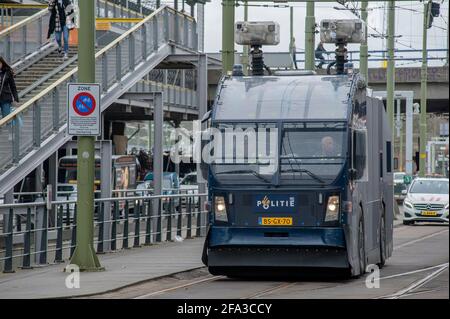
[
  {"x": 409, "y": 136},
  {"x": 227, "y": 35},
  {"x": 105, "y": 190},
  {"x": 202, "y": 98},
  {"x": 423, "y": 93},
  {"x": 391, "y": 66},
  {"x": 364, "y": 56},
  {"x": 158, "y": 119},
  {"x": 41, "y": 220},
  {"x": 310, "y": 28}
]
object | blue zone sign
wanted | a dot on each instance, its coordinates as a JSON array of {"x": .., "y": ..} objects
[
  {"x": 279, "y": 203},
  {"x": 83, "y": 114}
]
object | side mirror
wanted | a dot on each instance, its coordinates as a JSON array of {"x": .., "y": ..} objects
[{"x": 404, "y": 192}]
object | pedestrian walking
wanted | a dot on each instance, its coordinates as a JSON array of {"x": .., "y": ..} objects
[
  {"x": 8, "y": 91},
  {"x": 319, "y": 54},
  {"x": 61, "y": 21}
]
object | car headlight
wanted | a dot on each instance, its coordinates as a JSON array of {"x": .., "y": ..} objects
[
  {"x": 220, "y": 209},
  {"x": 407, "y": 204},
  {"x": 446, "y": 206},
  {"x": 332, "y": 208}
]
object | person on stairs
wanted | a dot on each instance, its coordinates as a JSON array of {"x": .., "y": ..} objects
[{"x": 61, "y": 21}]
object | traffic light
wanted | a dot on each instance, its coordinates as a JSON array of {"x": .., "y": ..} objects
[
  {"x": 434, "y": 12},
  {"x": 435, "y": 9}
]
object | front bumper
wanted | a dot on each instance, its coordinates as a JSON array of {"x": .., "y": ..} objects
[
  {"x": 277, "y": 247},
  {"x": 412, "y": 214}
]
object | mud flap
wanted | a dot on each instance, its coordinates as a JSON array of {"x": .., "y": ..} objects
[{"x": 205, "y": 249}]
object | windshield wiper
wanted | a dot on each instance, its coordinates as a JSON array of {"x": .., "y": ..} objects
[
  {"x": 246, "y": 171},
  {"x": 302, "y": 170}
]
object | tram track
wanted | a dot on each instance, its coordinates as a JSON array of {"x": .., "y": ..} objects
[
  {"x": 209, "y": 280},
  {"x": 416, "y": 284},
  {"x": 170, "y": 289},
  {"x": 401, "y": 293}
]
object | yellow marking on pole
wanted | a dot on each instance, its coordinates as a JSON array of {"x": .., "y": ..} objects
[
  {"x": 102, "y": 25},
  {"x": 22, "y": 6}
]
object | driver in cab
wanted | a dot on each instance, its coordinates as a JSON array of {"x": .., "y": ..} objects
[{"x": 329, "y": 147}]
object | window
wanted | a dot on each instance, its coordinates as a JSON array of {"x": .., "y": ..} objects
[
  {"x": 388, "y": 156},
  {"x": 360, "y": 153},
  {"x": 381, "y": 164},
  {"x": 429, "y": 187}
]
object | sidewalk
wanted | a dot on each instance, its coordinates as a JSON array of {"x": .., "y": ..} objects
[{"x": 123, "y": 268}]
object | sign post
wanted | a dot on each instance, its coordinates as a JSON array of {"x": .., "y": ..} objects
[{"x": 84, "y": 121}]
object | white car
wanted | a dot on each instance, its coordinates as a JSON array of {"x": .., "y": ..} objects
[
  {"x": 188, "y": 185},
  {"x": 426, "y": 201}
]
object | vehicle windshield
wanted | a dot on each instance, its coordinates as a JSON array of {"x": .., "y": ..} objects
[
  {"x": 429, "y": 187},
  {"x": 189, "y": 180},
  {"x": 66, "y": 188},
  {"x": 70, "y": 175},
  {"x": 399, "y": 187},
  {"x": 313, "y": 152},
  {"x": 310, "y": 153},
  {"x": 245, "y": 153},
  {"x": 166, "y": 183}
]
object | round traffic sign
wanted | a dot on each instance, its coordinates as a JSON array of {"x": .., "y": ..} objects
[{"x": 84, "y": 103}]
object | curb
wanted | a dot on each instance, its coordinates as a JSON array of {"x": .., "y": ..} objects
[{"x": 121, "y": 287}]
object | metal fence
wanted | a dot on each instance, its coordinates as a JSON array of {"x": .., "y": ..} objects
[{"x": 40, "y": 232}]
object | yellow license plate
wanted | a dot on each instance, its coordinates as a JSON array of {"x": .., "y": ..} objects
[
  {"x": 428, "y": 213},
  {"x": 275, "y": 221}
]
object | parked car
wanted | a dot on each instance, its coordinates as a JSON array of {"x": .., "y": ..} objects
[
  {"x": 171, "y": 186},
  {"x": 189, "y": 185},
  {"x": 427, "y": 200},
  {"x": 400, "y": 187}
]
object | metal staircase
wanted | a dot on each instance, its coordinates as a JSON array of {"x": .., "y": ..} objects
[
  {"x": 43, "y": 73},
  {"x": 37, "y": 128}
]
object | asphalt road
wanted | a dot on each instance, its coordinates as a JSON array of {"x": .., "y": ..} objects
[{"x": 417, "y": 269}]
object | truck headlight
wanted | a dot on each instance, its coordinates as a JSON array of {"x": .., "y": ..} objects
[
  {"x": 332, "y": 208},
  {"x": 220, "y": 209},
  {"x": 407, "y": 204}
]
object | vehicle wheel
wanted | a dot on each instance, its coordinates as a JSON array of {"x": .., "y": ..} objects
[
  {"x": 361, "y": 247},
  {"x": 382, "y": 242}
]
